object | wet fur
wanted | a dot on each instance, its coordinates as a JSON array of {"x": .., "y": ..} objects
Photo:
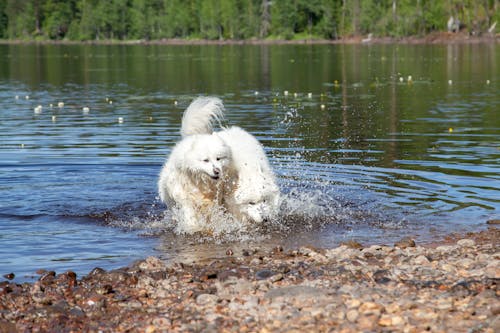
[{"x": 208, "y": 172}]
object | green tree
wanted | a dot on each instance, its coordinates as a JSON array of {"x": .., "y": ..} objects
[
  {"x": 283, "y": 19},
  {"x": 58, "y": 15},
  {"x": 228, "y": 19},
  {"x": 179, "y": 18},
  {"x": 249, "y": 16},
  {"x": 22, "y": 21},
  {"x": 327, "y": 23},
  {"x": 208, "y": 15},
  {"x": 4, "y": 21}
]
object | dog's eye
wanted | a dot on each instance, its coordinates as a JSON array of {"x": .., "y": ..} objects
[
  {"x": 220, "y": 158},
  {"x": 206, "y": 160},
  {"x": 252, "y": 203}
]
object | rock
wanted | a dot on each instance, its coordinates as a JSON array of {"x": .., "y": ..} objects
[
  {"x": 264, "y": 274},
  {"x": 96, "y": 271},
  {"x": 150, "y": 329},
  {"x": 7, "y": 327},
  {"x": 255, "y": 261},
  {"x": 405, "y": 242},
  {"x": 207, "y": 299},
  {"x": 493, "y": 221},
  {"x": 377, "y": 289},
  {"x": 390, "y": 320},
  {"x": 367, "y": 323},
  {"x": 352, "y": 315},
  {"x": 352, "y": 303},
  {"x": 421, "y": 260},
  {"x": 10, "y": 276},
  {"x": 47, "y": 277},
  {"x": 465, "y": 263},
  {"x": 313, "y": 254},
  {"x": 295, "y": 292},
  {"x": 228, "y": 274},
  {"x": 151, "y": 263},
  {"x": 369, "y": 308},
  {"x": 444, "y": 303},
  {"x": 492, "y": 272},
  {"x": 233, "y": 287},
  {"x": 382, "y": 276},
  {"x": 276, "y": 277},
  {"x": 466, "y": 243},
  {"x": 446, "y": 249},
  {"x": 352, "y": 244},
  {"x": 385, "y": 320}
]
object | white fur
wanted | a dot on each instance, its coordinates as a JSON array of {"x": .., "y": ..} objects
[
  {"x": 208, "y": 172},
  {"x": 256, "y": 197},
  {"x": 200, "y": 116}
]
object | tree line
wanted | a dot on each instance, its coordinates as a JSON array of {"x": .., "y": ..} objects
[{"x": 237, "y": 19}]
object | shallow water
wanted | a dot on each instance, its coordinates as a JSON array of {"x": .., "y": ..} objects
[{"x": 369, "y": 156}]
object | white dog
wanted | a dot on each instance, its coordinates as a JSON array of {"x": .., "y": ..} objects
[{"x": 211, "y": 172}]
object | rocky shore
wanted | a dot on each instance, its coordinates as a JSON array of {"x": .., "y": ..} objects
[{"x": 450, "y": 287}]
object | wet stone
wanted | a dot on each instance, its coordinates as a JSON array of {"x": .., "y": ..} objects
[
  {"x": 382, "y": 276},
  {"x": 405, "y": 242},
  {"x": 47, "y": 277},
  {"x": 264, "y": 274},
  {"x": 7, "y": 327},
  {"x": 377, "y": 289},
  {"x": 9, "y": 276},
  {"x": 206, "y": 299},
  {"x": 352, "y": 244},
  {"x": 466, "y": 243},
  {"x": 96, "y": 271}
]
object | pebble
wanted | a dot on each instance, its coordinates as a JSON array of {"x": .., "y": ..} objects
[
  {"x": 466, "y": 243},
  {"x": 206, "y": 299},
  {"x": 264, "y": 274},
  {"x": 451, "y": 288},
  {"x": 405, "y": 242},
  {"x": 421, "y": 260},
  {"x": 388, "y": 320},
  {"x": 352, "y": 315}
]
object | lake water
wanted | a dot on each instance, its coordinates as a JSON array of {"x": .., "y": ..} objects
[{"x": 361, "y": 151}]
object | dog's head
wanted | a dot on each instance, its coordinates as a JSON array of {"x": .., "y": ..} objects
[{"x": 208, "y": 155}]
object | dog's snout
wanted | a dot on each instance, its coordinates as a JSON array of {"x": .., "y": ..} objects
[{"x": 216, "y": 171}]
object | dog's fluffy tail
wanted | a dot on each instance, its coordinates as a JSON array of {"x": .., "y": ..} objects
[{"x": 200, "y": 116}]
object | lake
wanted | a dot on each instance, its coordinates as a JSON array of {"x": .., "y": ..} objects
[{"x": 370, "y": 143}]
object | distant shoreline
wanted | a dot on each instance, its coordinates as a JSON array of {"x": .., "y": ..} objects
[{"x": 434, "y": 38}]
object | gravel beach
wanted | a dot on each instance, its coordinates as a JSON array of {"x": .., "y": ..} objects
[{"x": 404, "y": 287}]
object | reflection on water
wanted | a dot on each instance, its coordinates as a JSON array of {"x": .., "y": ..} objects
[{"x": 370, "y": 143}]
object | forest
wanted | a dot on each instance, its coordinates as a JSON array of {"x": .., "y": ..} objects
[{"x": 91, "y": 20}]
